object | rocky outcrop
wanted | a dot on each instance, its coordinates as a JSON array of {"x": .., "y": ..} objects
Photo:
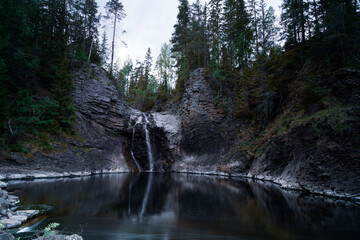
[
  {"x": 61, "y": 237},
  {"x": 101, "y": 137},
  {"x": 10, "y": 218},
  {"x": 318, "y": 154},
  {"x": 207, "y": 132}
]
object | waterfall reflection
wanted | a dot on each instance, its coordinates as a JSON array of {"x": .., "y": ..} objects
[{"x": 187, "y": 205}]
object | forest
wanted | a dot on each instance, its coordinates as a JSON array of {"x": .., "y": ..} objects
[{"x": 249, "y": 60}]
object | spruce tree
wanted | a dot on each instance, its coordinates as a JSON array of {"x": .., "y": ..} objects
[
  {"x": 267, "y": 29},
  {"x": 197, "y": 44},
  {"x": 254, "y": 13},
  {"x": 180, "y": 36},
  {"x": 237, "y": 32},
  {"x": 147, "y": 69},
  {"x": 103, "y": 49},
  {"x": 179, "y": 42},
  {"x": 214, "y": 31}
]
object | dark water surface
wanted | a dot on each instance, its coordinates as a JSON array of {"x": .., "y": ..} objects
[{"x": 176, "y": 206}]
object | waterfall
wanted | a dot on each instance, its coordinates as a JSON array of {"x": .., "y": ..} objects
[
  {"x": 132, "y": 145},
  {"x": 148, "y": 144}
]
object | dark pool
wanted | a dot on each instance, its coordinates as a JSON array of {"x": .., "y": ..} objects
[{"x": 177, "y": 206}]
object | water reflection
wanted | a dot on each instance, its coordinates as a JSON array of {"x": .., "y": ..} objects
[{"x": 175, "y": 206}]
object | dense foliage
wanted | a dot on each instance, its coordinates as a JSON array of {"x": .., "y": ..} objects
[
  {"x": 38, "y": 41},
  {"x": 239, "y": 43}
]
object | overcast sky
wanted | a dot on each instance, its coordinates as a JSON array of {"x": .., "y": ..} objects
[{"x": 148, "y": 23}]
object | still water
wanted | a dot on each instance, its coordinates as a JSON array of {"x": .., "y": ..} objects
[{"x": 177, "y": 206}]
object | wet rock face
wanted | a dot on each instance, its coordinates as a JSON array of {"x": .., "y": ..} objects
[
  {"x": 206, "y": 131},
  {"x": 162, "y": 140},
  {"x": 139, "y": 148},
  {"x": 167, "y": 133}
]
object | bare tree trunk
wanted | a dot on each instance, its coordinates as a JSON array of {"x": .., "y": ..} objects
[
  {"x": 317, "y": 28},
  {"x": 256, "y": 29},
  {"x": 302, "y": 21},
  {"x": 113, "y": 46},
  {"x": 92, "y": 42}
]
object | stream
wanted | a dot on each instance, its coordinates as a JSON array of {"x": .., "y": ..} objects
[{"x": 180, "y": 206}]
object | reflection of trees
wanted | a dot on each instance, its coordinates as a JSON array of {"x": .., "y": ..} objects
[{"x": 196, "y": 203}]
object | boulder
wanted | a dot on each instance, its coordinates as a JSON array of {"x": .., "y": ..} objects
[
  {"x": 61, "y": 237},
  {"x": 13, "y": 200},
  {"x": 3, "y": 206},
  {"x": 19, "y": 218},
  {"x": 6, "y": 236},
  {"x": 5, "y": 195},
  {"x": 28, "y": 213},
  {"x": 3, "y": 185},
  {"x": 11, "y": 223}
]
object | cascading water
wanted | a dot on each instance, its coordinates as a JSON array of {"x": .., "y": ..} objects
[
  {"x": 148, "y": 144},
  {"x": 132, "y": 145}
]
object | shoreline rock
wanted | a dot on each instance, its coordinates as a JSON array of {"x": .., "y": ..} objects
[
  {"x": 8, "y": 217},
  {"x": 61, "y": 237},
  {"x": 15, "y": 218}
]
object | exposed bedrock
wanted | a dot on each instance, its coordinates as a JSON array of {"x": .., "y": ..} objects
[
  {"x": 207, "y": 133},
  {"x": 317, "y": 153}
]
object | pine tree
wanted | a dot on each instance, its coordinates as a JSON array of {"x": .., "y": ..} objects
[
  {"x": 294, "y": 18},
  {"x": 91, "y": 29},
  {"x": 115, "y": 9}
]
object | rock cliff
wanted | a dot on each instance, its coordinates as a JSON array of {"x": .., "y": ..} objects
[
  {"x": 207, "y": 132},
  {"x": 316, "y": 152},
  {"x": 100, "y": 139}
]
